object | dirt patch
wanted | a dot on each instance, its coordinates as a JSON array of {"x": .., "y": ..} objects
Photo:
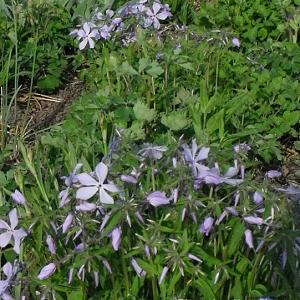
[{"x": 35, "y": 112}]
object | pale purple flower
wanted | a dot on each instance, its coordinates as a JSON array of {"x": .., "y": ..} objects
[
  {"x": 249, "y": 238},
  {"x": 105, "y": 32},
  {"x": 157, "y": 13},
  {"x": 72, "y": 178},
  {"x": 151, "y": 151},
  {"x": 241, "y": 148},
  {"x": 291, "y": 191},
  {"x": 90, "y": 186},
  {"x": 107, "y": 265},
  {"x": 221, "y": 217},
  {"x": 236, "y": 42},
  {"x": 87, "y": 34},
  {"x": 9, "y": 271},
  {"x": 232, "y": 211},
  {"x": 86, "y": 207},
  {"x": 47, "y": 271},
  {"x": 158, "y": 198},
  {"x": 139, "y": 271},
  {"x": 104, "y": 221},
  {"x": 67, "y": 223},
  {"x": 129, "y": 179},
  {"x": 64, "y": 197},
  {"x": 258, "y": 198},
  {"x": 80, "y": 247},
  {"x": 116, "y": 235},
  {"x": 194, "y": 155},
  {"x": 194, "y": 257},
  {"x": 207, "y": 226},
  {"x": 18, "y": 197},
  {"x": 51, "y": 244},
  {"x": 163, "y": 275},
  {"x": 10, "y": 232},
  {"x": 254, "y": 220},
  {"x": 273, "y": 174}
]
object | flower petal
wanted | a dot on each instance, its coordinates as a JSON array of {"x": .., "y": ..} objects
[
  {"x": 86, "y": 207},
  {"x": 47, "y": 271},
  {"x": 249, "y": 238},
  {"x": 4, "y": 225},
  {"x": 116, "y": 238},
  {"x": 163, "y": 275},
  {"x": 87, "y": 180},
  {"x": 5, "y": 238},
  {"x": 18, "y": 197},
  {"x": 101, "y": 171},
  {"x": 83, "y": 44},
  {"x": 86, "y": 192},
  {"x": 111, "y": 187},
  {"x": 13, "y": 218},
  {"x": 67, "y": 223},
  {"x": 254, "y": 220},
  {"x": 91, "y": 43},
  {"x": 8, "y": 270},
  {"x": 105, "y": 198}
]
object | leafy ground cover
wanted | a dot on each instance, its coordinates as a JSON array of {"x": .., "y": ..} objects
[{"x": 175, "y": 175}]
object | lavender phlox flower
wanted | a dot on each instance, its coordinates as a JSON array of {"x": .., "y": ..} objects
[
  {"x": 10, "y": 272},
  {"x": 129, "y": 179},
  {"x": 104, "y": 221},
  {"x": 109, "y": 13},
  {"x": 158, "y": 198},
  {"x": 90, "y": 186},
  {"x": 243, "y": 147},
  {"x": 174, "y": 195},
  {"x": 232, "y": 171},
  {"x": 116, "y": 235},
  {"x": 194, "y": 155},
  {"x": 258, "y": 198},
  {"x": 86, "y": 207},
  {"x": 207, "y": 226},
  {"x": 151, "y": 151},
  {"x": 18, "y": 197},
  {"x": 64, "y": 197},
  {"x": 10, "y": 232},
  {"x": 232, "y": 210},
  {"x": 51, "y": 244},
  {"x": 47, "y": 271},
  {"x": 221, "y": 217},
  {"x": 86, "y": 35},
  {"x": 157, "y": 13},
  {"x": 163, "y": 275},
  {"x": 254, "y": 220},
  {"x": 236, "y": 42},
  {"x": 107, "y": 265},
  {"x": 249, "y": 238},
  {"x": 67, "y": 223},
  {"x": 80, "y": 247},
  {"x": 194, "y": 257},
  {"x": 72, "y": 178},
  {"x": 273, "y": 174},
  {"x": 139, "y": 271},
  {"x": 291, "y": 191},
  {"x": 237, "y": 198},
  {"x": 105, "y": 32}
]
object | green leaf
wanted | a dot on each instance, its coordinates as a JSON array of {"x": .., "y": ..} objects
[
  {"x": 143, "y": 113},
  {"x": 175, "y": 120},
  {"x": 127, "y": 69},
  {"x": 50, "y": 82},
  {"x": 143, "y": 64},
  {"x": 236, "y": 237},
  {"x": 237, "y": 290},
  {"x": 155, "y": 70},
  {"x": 297, "y": 145},
  {"x": 187, "y": 66},
  {"x": 74, "y": 295},
  {"x": 205, "y": 288}
]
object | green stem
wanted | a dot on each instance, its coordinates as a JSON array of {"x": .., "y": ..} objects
[{"x": 125, "y": 273}]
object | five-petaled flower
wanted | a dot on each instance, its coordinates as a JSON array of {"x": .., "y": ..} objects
[
  {"x": 10, "y": 272},
  {"x": 10, "y": 231},
  {"x": 158, "y": 12},
  {"x": 87, "y": 34},
  {"x": 90, "y": 186}
]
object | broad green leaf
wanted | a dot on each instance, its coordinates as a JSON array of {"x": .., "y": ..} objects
[
  {"x": 155, "y": 70},
  {"x": 150, "y": 269},
  {"x": 143, "y": 113},
  {"x": 187, "y": 66},
  {"x": 127, "y": 69},
  {"x": 237, "y": 290},
  {"x": 175, "y": 120},
  {"x": 75, "y": 295},
  {"x": 236, "y": 237},
  {"x": 143, "y": 64},
  {"x": 205, "y": 288}
]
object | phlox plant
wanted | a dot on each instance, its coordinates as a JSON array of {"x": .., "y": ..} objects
[{"x": 159, "y": 221}]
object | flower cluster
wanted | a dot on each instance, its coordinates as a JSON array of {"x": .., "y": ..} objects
[
  {"x": 101, "y": 207},
  {"x": 106, "y": 25}
]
